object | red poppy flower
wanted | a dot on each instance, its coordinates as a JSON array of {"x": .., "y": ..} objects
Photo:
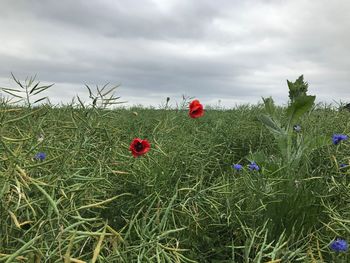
[
  {"x": 196, "y": 109},
  {"x": 139, "y": 147}
]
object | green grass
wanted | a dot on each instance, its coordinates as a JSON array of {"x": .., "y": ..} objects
[{"x": 181, "y": 202}]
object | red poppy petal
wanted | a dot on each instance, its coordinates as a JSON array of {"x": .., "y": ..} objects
[
  {"x": 196, "y": 112},
  {"x": 194, "y": 103},
  {"x": 135, "y": 148}
]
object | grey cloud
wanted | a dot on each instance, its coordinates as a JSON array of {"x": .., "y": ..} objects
[
  {"x": 229, "y": 50},
  {"x": 123, "y": 18}
]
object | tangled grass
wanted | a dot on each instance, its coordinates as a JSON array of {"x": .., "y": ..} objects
[{"x": 89, "y": 200}]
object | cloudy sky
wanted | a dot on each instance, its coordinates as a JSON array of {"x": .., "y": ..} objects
[{"x": 234, "y": 51}]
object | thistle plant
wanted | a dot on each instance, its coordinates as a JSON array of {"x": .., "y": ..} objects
[
  {"x": 291, "y": 204},
  {"x": 293, "y": 145}
]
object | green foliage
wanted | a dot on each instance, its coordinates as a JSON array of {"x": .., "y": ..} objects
[
  {"x": 90, "y": 200},
  {"x": 27, "y": 91},
  {"x": 103, "y": 97},
  {"x": 297, "y": 88},
  {"x": 290, "y": 207},
  {"x": 298, "y": 108},
  {"x": 270, "y": 107},
  {"x": 291, "y": 148},
  {"x": 272, "y": 125}
]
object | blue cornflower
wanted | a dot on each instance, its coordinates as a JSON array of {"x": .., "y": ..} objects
[
  {"x": 40, "y": 156},
  {"x": 237, "y": 167},
  {"x": 342, "y": 165},
  {"x": 297, "y": 128},
  {"x": 337, "y": 138},
  {"x": 339, "y": 245},
  {"x": 253, "y": 166}
]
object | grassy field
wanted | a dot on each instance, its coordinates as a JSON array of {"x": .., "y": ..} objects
[
  {"x": 90, "y": 200},
  {"x": 257, "y": 183}
]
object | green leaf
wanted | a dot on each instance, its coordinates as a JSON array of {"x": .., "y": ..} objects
[
  {"x": 269, "y": 106},
  {"x": 299, "y": 107},
  {"x": 14, "y": 90},
  {"x": 90, "y": 93},
  {"x": 12, "y": 94},
  {"x": 40, "y": 100},
  {"x": 109, "y": 91},
  {"x": 271, "y": 124},
  {"x": 17, "y": 81},
  {"x": 33, "y": 89},
  {"x": 81, "y": 103},
  {"x": 41, "y": 89},
  {"x": 297, "y": 88}
]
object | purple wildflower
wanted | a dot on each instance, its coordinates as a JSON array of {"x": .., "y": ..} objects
[
  {"x": 339, "y": 245},
  {"x": 337, "y": 138},
  {"x": 253, "y": 166},
  {"x": 40, "y": 156},
  {"x": 237, "y": 167}
]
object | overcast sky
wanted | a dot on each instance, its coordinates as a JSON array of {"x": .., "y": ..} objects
[{"x": 230, "y": 50}]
